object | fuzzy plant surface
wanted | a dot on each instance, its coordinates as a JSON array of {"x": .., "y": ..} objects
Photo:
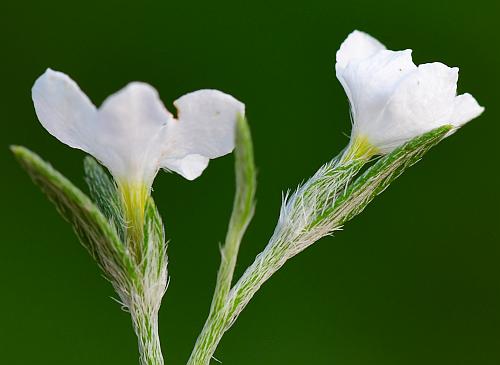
[
  {"x": 138, "y": 273},
  {"x": 137, "y": 270},
  {"x": 399, "y": 112},
  {"x": 322, "y": 205}
]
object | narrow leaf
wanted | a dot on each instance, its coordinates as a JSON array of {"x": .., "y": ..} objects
[
  {"x": 243, "y": 209},
  {"x": 104, "y": 193},
  {"x": 155, "y": 246},
  {"x": 93, "y": 229},
  {"x": 378, "y": 177},
  {"x": 328, "y": 215}
]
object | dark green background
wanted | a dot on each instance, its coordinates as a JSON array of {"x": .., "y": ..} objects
[{"x": 414, "y": 280}]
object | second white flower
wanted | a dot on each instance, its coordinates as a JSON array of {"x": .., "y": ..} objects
[{"x": 393, "y": 100}]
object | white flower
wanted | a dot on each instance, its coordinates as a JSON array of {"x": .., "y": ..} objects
[
  {"x": 393, "y": 100},
  {"x": 132, "y": 133}
]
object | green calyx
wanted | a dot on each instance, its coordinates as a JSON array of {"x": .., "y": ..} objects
[
  {"x": 135, "y": 264},
  {"x": 121, "y": 228}
]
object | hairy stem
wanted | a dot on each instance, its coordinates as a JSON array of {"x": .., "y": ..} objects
[
  {"x": 292, "y": 235},
  {"x": 146, "y": 328},
  {"x": 243, "y": 210},
  {"x": 316, "y": 209}
]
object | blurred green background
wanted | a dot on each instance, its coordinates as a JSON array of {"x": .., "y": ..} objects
[{"x": 414, "y": 280}]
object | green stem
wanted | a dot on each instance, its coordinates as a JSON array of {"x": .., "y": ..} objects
[
  {"x": 243, "y": 209},
  {"x": 218, "y": 323},
  {"x": 329, "y": 213},
  {"x": 292, "y": 235},
  {"x": 146, "y": 328}
]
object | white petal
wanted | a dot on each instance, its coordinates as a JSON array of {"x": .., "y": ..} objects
[
  {"x": 370, "y": 82},
  {"x": 465, "y": 109},
  {"x": 137, "y": 106},
  {"x": 190, "y": 167},
  {"x": 130, "y": 132},
  {"x": 357, "y": 46},
  {"x": 391, "y": 99},
  {"x": 205, "y": 127},
  {"x": 423, "y": 101},
  {"x": 63, "y": 109}
]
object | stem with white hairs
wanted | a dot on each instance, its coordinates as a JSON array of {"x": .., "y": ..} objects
[
  {"x": 291, "y": 236},
  {"x": 243, "y": 210},
  {"x": 316, "y": 209}
]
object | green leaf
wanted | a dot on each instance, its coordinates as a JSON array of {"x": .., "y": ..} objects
[
  {"x": 104, "y": 193},
  {"x": 154, "y": 248},
  {"x": 92, "y": 227},
  {"x": 243, "y": 210},
  {"x": 329, "y": 199},
  {"x": 378, "y": 177}
]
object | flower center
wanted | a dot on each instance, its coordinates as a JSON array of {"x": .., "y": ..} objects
[
  {"x": 134, "y": 197},
  {"x": 359, "y": 148}
]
